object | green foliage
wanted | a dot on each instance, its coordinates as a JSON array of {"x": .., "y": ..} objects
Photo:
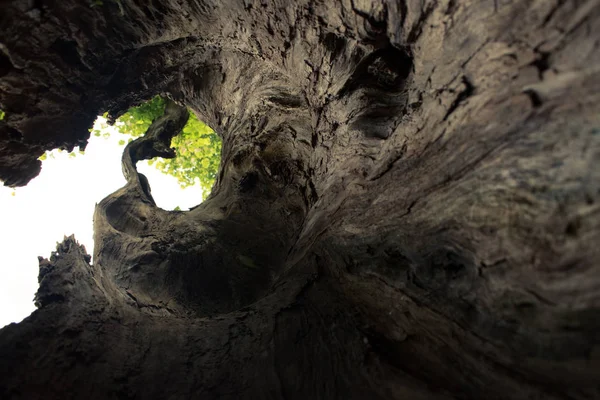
[
  {"x": 102, "y": 131},
  {"x": 2, "y": 114},
  {"x": 136, "y": 121},
  {"x": 198, "y": 151},
  {"x": 52, "y": 153},
  {"x": 247, "y": 261},
  {"x": 198, "y": 147}
]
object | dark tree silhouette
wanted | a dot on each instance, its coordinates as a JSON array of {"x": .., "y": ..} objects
[{"x": 407, "y": 205}]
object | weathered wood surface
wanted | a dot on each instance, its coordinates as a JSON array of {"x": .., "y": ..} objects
[{"x": 407, "y": 205}]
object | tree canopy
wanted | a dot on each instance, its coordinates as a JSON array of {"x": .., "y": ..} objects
[{"x": 198, "y": 147}]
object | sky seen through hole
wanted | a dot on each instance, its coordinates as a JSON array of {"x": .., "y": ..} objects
[{"x": 61, "y": 201}]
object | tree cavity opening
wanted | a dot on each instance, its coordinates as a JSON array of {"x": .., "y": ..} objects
[{"x": 184, "y": 181}]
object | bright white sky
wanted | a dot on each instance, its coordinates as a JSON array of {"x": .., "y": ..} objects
[{"x": 59, "y": 202}]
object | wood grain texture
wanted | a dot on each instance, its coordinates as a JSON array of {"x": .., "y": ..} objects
[{"x": 406, "y": 207}]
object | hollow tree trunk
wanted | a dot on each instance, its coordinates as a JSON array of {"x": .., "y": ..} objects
[{"x": 407, "y": 203}]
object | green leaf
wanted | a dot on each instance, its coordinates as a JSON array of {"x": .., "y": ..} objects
[
  {"x": 247, "y": 261},
  {"x": 198, "y": 147}
]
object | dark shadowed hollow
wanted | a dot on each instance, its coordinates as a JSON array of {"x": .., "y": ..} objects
[{"x": 407, "y": 205}]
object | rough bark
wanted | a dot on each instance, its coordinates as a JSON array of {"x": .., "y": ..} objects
[{"x": 407, "y": 204}]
